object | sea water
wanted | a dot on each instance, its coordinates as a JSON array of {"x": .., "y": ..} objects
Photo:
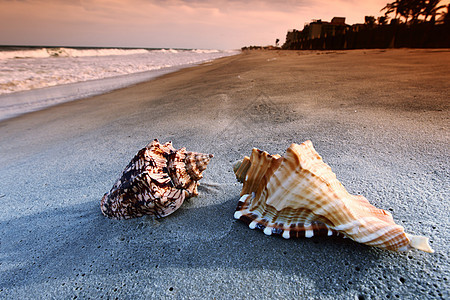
[{"x": 32, "y": 79}]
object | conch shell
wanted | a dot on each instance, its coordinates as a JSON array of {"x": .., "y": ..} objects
[
  {"x": 156, "y": 182},
  {"x": 298, "y": 195}
]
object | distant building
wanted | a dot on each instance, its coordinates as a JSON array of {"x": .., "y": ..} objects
[
  {"x": 338, "y": 21},
  {"x": 357, "y": 27},
  {"x": 319, "y": 28},
  {"x": 315, "y": 29},
  {"x": 321, "y": 35}
]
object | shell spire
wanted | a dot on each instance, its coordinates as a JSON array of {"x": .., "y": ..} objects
[
  {"x": 156, "y": 181},
  {"x": 298, "y": 195},
  {"x": 196, "y": 163}
]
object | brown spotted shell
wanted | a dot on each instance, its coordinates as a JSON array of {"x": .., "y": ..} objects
[
  {"x": 156, "y": 182},
  {"x": 298, "y": 195}
]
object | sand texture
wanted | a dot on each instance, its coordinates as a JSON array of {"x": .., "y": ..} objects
[{"x": 379, "y": 118}]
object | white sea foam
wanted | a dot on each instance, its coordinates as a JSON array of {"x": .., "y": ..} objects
[
  {"x": 66, "y": 52},
  {"x": 24, "y": 73}
]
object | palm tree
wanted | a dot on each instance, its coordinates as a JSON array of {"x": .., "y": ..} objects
[
  {"x": 413, "y": 9},
  {"x": 431, "y": 9},
  {"x": 399, "y": 7},
  {"x": 389, "y": 8},
  {"x": 447, "y": 15}
]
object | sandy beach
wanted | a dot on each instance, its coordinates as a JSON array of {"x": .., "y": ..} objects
[{"x": 379, "y": 118}]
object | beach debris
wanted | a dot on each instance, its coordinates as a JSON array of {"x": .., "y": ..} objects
[
  {"x": 156, "y": 182},
  {"x": 297, "y": 195}
]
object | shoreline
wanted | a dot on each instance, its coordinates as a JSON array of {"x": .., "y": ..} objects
[
  {"x": 18, "y": 103},
  {"x": 22, "y": 102},
  {"x": 379, "y": 118}
]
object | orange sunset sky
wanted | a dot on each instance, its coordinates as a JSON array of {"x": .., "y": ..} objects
[{"x": 208, "y": 24}]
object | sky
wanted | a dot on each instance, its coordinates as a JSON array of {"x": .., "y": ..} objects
[{"x": 202, "y": 24}]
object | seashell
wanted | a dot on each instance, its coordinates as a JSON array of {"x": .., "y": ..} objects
[
  {"x": 298, "y": 195},
  {"x": 156, "y": 182}
]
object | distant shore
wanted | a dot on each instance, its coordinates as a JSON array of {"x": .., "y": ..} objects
[{"x": 379, "y": 118}]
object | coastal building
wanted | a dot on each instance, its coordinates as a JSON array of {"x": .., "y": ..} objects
[
  {"x": 374, "y": 33},
  {"x": 319, "y": 28},
  {"x": 294, "y": 36},
  {"x": 315, "y": 30}
]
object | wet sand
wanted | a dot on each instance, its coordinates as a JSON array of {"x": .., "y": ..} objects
[{"x": 379, "y": 118}]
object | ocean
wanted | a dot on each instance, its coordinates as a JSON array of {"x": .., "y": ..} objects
[{"x": 32, "y": 78}]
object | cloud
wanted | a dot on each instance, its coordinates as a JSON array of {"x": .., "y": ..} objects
[
  {"x": 167, "y": 23},
  {"x": 224, "y": 4}
]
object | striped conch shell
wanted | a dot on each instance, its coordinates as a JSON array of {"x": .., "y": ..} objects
[
  {"x": 298, "y": 195},
  {"x": 156, "y": 182}
]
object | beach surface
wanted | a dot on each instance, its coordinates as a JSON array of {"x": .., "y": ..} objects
[{"x": 379, "y": 118}]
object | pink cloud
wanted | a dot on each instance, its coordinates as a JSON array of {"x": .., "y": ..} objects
[{"x": 170, "y": 23}]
